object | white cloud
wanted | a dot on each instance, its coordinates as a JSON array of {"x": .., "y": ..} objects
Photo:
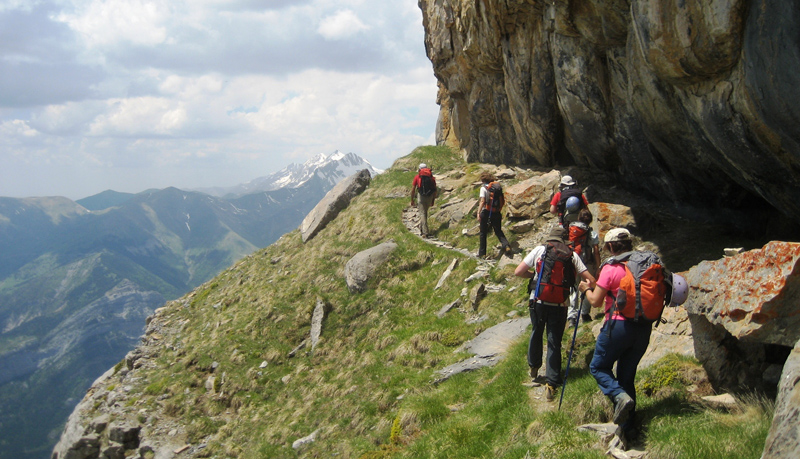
[
  {"x": 109, "y": 22},
  {"x": 141, "y": 116},
  {"x": 196, "y": 93},
  {"x": 342, "y": 24}
]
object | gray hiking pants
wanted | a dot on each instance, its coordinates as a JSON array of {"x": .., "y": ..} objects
[{"x": 423, "y": 204}]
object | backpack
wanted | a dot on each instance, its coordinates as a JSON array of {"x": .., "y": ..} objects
[
  {"x": 496, "y": 199},
  {"x": 556, "y": 274},
  {"x": 427, "y": 185},
  {"x": 645, "y": 288},
  {"x": 579, "y": 234},
  {"x": 567, "y": 193}
]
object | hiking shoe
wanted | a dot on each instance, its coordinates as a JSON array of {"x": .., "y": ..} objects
[
  {"x": 533, "y": 372},
  {"x": 573, "y": 322},
  {"x": 586, "y": 318},
  {"x": 623, "y": 406},
  {"x": 549, "y": 392}
]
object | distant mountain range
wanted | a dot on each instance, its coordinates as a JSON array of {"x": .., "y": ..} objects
[
  {"x": 328, "y": 169},
  {"x": 77, "y": 279}
]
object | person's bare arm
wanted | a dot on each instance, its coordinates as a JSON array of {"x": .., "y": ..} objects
[{"x": 523, "y": 270}]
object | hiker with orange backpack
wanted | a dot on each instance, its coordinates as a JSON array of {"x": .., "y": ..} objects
[
  {"x": 586, "y": 243},
  {"x": 490, "y": 207},
  {"x": 630, "y": 312},
  {"x": 423, "y": 187},
  {"x": 555, "y": 268}
]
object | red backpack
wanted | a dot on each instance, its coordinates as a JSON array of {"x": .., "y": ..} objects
[
  {"x": 645, "y": 288},
  {"x": 579, "y": 234},
  {"x": 556, "y": 274}
]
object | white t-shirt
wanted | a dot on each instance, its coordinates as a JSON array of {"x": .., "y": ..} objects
[
  {"x": 532, "y": 259},
  {"x": 484, "y": 193}
]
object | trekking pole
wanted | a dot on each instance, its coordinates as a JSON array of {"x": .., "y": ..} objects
[{"x": 571, "y": 348}]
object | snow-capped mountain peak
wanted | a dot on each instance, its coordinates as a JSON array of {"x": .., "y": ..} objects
[{"x": 329, "y": 168}]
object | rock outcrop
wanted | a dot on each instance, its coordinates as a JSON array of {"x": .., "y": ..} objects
[
  {"x": 745, "y": 313},
  {"x": 692, "y": 101},
  {"x": 334, "y": 202}
]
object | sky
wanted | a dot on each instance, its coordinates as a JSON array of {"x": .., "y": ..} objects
[{"x": 137, "y": 94}]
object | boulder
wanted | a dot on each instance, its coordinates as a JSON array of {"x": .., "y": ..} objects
[
  {"x": 744, "y": 310},
  {"x": 334, "y": 202},
  {"x": 607, "y": 216},
  {"x": 362, "y": 266},
  {"x": 783, "y": 439},
  {"x": 531, "y": 198}
]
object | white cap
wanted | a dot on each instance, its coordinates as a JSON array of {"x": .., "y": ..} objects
[
  {"x": 617, "y": 234},
  {"x": 422, "y": 166},
  {"x": 567, "y": 180}
]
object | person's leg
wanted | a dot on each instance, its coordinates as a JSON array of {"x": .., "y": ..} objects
[
  {"x": 574, "y": 309},
  {"x": 608, "y": 347},
  {"x": 423, "y": 203},
  {"x": 497, "y": 226},
  {"x": 535, "y": 343},
  {"x": 556, "y": 322},
  {"x": 484, "y": 226},
  {"x": 639, "y": 338}
]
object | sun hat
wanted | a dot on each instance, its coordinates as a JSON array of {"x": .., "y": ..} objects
[
  {"x": 617, "y": 234},
  {"x": 422, "y": 166},
  {"x": 567, "y": 180},
  {"x": 556, "y": 234}
]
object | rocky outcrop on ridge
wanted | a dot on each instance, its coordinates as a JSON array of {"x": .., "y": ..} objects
[
  {"x": 693, "y": 101},
  {"x": 334, "y": 202}
]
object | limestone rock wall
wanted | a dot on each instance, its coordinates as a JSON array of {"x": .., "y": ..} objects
[{"x": 689, "y": 100}]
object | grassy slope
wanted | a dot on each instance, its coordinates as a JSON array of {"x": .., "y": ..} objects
[{"x": 367, "y": 386}]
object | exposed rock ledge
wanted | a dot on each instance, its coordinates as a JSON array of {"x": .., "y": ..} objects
[{"x": 694, "y": 101}]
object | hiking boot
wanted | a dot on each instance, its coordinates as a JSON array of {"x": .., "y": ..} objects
[
  {"x": 623, "y": 406},
  {"x": 586, "y": 318},
  {"x": 549, "y": 392},
  {"x": 533, "y": 372},
  {"x": 573, "y": 322}
]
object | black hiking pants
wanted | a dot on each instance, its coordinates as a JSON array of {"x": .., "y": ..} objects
[{"x": 494, "y": 221}]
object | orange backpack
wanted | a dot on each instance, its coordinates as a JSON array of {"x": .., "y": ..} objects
[
  {"x": 644, "y": 289},
  {"x": 579, "y": 234}
]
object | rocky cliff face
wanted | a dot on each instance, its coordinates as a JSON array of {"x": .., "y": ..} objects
[{"x": 693, "y": 101}]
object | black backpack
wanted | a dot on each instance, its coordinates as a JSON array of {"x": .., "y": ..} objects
[
  {"x": 567, "y": 193},
  {"x": 426, "y": 184}
]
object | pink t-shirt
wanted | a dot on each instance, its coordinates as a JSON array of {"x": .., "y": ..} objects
[{"x": 609, "y": 279}]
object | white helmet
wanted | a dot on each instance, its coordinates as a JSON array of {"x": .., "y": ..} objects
[{"x": 680, "y": 290}]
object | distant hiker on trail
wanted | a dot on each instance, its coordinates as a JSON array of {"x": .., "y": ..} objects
[
  {"x": 555, "y": 267},
  {"x": 562, "y": 203},
  {"x": 424, "y": 185},
  {"x": 586, "y": 243},
  {"x": 489, "y": 212},
  {"x": 625, "y": 335}
]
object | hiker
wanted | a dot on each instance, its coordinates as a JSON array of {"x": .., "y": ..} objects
[
  {"x": 621, "y": 340},
  {"x": 567, "y": 209},
  {"x": 586, "y": 243},
  {"x": 489, "y": 212},
  {"x": 423, "y": 188},
  {"x": 555, "y": 268}
]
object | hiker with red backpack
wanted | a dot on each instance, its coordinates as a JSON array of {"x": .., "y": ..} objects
[
  {"x": 423, "y": 187},
  {"x": 568, "y": 201},
  {"x": 586, "y": 243},
  {"x": 490, "y": 207},
  {"x": 555, "y": 268},
  {"x": 635, "y": 286}
]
